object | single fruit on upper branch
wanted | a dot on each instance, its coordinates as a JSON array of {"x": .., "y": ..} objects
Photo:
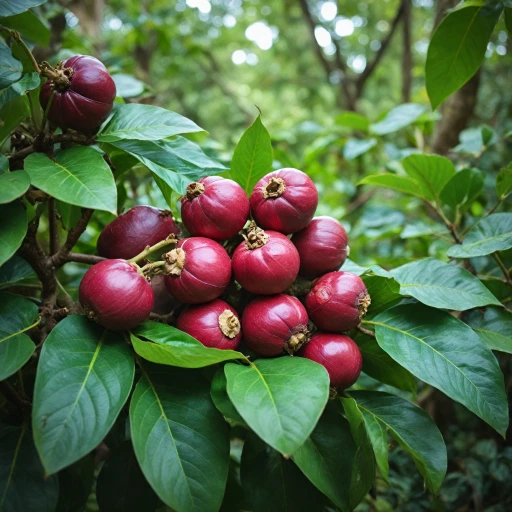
[
  {"x": 322, "y": 246},
  {"x": 338, "y": 354},
  {"x": 284, "y": 201},
  {"x": 131, "y": 232},
  {"x": 116, "y": 295},
  {"x": 266, "y": 263},
  {"x": 275, "y": 324},
  {"x": 214, "y": 207},
  {"x": 84, "y": 93},
  {"x": 337, "y": 301},
  {"x": 215, "y": 324},
  {"x": 197, "y": 271}
]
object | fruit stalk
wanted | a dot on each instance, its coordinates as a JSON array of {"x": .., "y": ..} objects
[{"x": 171, "y": 239}]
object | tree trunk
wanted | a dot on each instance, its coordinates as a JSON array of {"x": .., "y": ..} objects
[{"x": 407, "y": 53}]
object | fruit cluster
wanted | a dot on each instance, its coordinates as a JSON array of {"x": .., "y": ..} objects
[{"x": 264, "y": 265}]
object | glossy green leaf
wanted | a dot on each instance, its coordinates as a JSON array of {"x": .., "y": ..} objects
[
  {"x": 121, "y": 485},
  {"x": 274, "y": 484},
  {"x": 491, "y": 234},
  {"x": 75, "y": 484},
  {"x": 274, "y": 409},
  {"x": 403, "y": 420},
  {"x": 79, "y": 176},
  {"x": 29, "y": 25},
  {"x": 353, "y": 120},
  {"x": 168, "y": 345},
  {"x": 494, "y": 326},
  {"x": 420, "y": 228},
  {"x": 398, "y": 118},
  {"x": 180, "y": 439},
  {"x": 220, "y": 397},
  {"x": 13, "y": 228},
  {"x": 463, "y": 188},
  {"x": 442, "y": 285},
  {"x": 457, "y": 48},
  {"x": 84, "y": 377},
  {"x": 504, "y": 182},
  {"x": 252, "y": 158},
  {"x": 128, "y": 86},
  {"x": 11, "y": 69},
  {"x": 357, "y": 147},
  {"x": 13, "y": 185},
  {"x": 27, "y": 82},
  {"x": 17, "y": 315},
  {"x": 135, "y": 121},
  {"x": 475, "y": 139},
  {"x": 10, "y": 8},
  {"x": 14, "y": 270},
  {"x": 23, "y": 486},
  {"x": 394, "y": 182},
  {"x": 12, "y": 114},
  {"x": 444, "y": 352},
  {"x": 384, "y": 290}
]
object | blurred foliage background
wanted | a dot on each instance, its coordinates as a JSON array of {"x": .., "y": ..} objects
[{"x": 329, "y": 78}]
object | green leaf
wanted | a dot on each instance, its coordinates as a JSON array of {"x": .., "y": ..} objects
[
  {"x": 176, "y": 348},
  {"x": 473, "y": 141},
  {"x": 79, "y": 176},
  {"x": 508, "y": 19},
  {"x": 180, "y": 439},
  {"x": 121, "y": 486},
  {"x": 430, "y": 172},
  {"x": 283, "y": 417},
  {"x": 11, "y": 69},
  {"x": 383, "y": 412},
  {"x": 463, "y": 188},
  {"x": 328, "y": 457},
  {"x": 13, "y": 185},
  {"x": 491, "y": 234},
  {"x": 30, "y": 26},
  {"x": 12, "y": 114},
  {"x": 23, "y": 486},
  {"x": 444, "y": 352},
  {"x": 135, "y": 121},
  {"x": 17, "y": 315},
  {"x": 353, "y": 120},
  {"x": 442, "y": 285},
  {"x": 219, "y": 394},
  {"x": 9, "y": 8},
  {"x": 128, "y": 86},
  {"x": 398, "y": 118},
  {"x": 13, "y": 227},
  {"x": 420, "y": 228},
  {"x": 494, "y": 326},
  {"x": 252, "y": 158},
  {"x": 14, "y": 270},
  {"x": 27, "y": 82},
  {"x": 84, "y": 377},
  {"x": 177, "y": 162},
  {"x": 394, "y": 182},
  {"x": 69, "y": 214},
  {"x": 357, "y": 147},
  {"x": 274, "y": 484},
  {"x": 384, "y": 290},
  {"x": 504, "y": 182},
  {"x": 457, "y": 48},
  {"x": 75, "y": 484}
]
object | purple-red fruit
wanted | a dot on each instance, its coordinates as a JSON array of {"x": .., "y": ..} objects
[
  {"x": 130, "y": 233},
  {"x": 164, "y": 302},
  {"x": 266, "y": 263},
  {"x": 215, "y": 324},
  {"x": 284, "y": 201},
  {"x": 275, "y": 324},
  {"x": 84, "y": 94},
  {"x": 338, "y": 354},
  {"x": 116, "y": 295},
  {"x": 322, "y": 246},
  {"x": 197, "y": 271},
  {"x": 337, "y": 301},
  {"x": 214, "y": 207}
]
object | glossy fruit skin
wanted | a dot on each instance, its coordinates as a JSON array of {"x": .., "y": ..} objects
[
  {"x": 88, "y": 100},
  {"x": 269, "y": 269},
  {"x": 219, "y": 212},
  {"x": 114, "y": 294},
  {"x": 292, "y": 210},
  {"x": 201, "y": 321},
  {"x": 268, "y": 324},
  {"x": 206, "y": 273},
  {"x": 338, "y": 354},
  {"x": 337, "y": 301},
  {"x": 130, "y": 233},
  {"x": 322, "y": 246}
]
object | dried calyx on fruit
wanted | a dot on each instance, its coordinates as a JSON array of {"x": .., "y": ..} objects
[
  {"x": 275, "y": 324},
  {"x": 340, "y": 356},
  {"x": 266, "y": 263},
  {"x": 116, "y": 294},
  {"x": 79, "y": 93},
  {"x": 337, "y": 301},
  {"x": 131, "y": 232},
  {"x": 284, "y": 201},
  {"x": 215, "y": 324},
  {"x": 197, "y": 270},
  {"x": 214, "y": 207},
  {"x": 322, "y": 246}
]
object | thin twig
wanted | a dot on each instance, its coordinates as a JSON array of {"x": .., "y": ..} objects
[
  {"x": 500, "y": 263},
  {"x": 53, "y": 226},
  {"x": 90, "y": 259},
  {"x": 16, "y": 36},
  {"x": 360, "y": 328}
]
